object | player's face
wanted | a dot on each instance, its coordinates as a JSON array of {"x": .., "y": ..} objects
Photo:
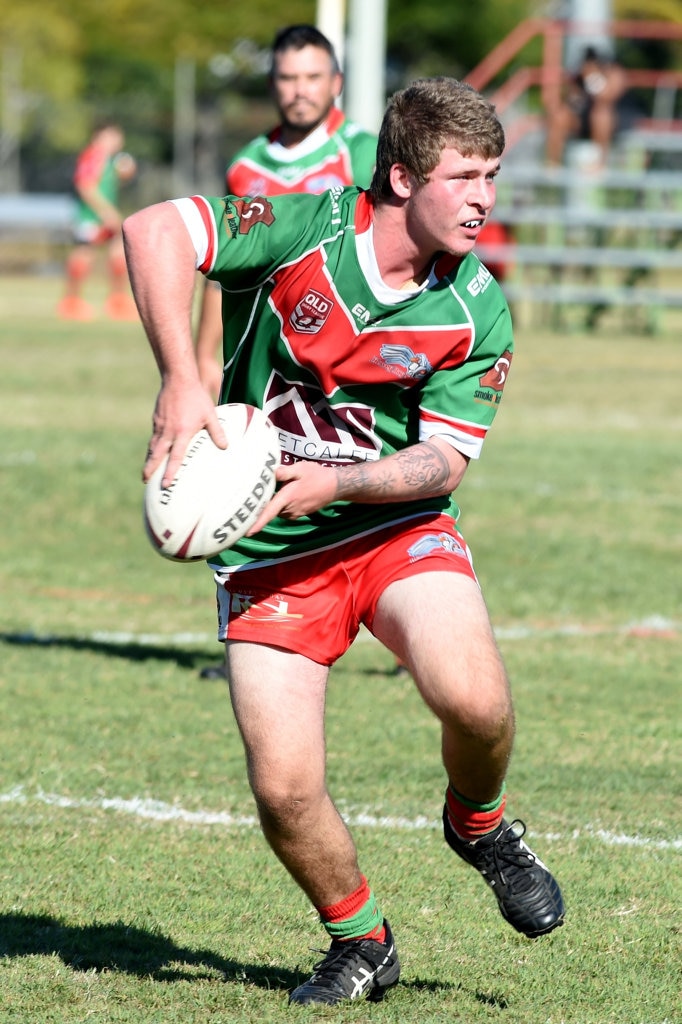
[
  {"x": 448, "y": 212},
  {"x": 304, "y": 87}
]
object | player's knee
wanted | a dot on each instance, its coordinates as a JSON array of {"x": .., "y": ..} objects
[
  {"x": 283, "y": 806},
  {"x": 484, "y": 716}
]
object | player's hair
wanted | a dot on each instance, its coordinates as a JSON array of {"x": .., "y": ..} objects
[
  {"x": 421, "y": 120},
  {"x": 295, "y": 37},
  {"x": 103, "y": 124}
]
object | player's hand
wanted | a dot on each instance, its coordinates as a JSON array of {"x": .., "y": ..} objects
[
  {"x": 126, "y": 166},
  {"x": 179, "y": 413},
  {"x": 304, "y": 487}
]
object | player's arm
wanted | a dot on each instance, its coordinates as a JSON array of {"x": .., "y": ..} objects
[
  {"x": 429, "y": 469},
  {"x": 210, "y": 327},
  {"x": 108, "y": 214},
  {"x": 162, "y": 267}
]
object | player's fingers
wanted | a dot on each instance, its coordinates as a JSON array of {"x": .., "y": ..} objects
[
  {"x": 275, "y": 507},
  {"x": 156, "y": 452},
  {"x": 215, "y": 430}
]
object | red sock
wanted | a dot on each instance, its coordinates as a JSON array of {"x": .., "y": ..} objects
[{"x": 471, "y": 820}]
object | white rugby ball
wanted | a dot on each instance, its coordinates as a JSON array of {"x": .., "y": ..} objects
[{"x": 217, "y": 494}]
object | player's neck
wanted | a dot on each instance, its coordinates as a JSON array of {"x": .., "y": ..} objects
[{"x": 401, "y": 263}]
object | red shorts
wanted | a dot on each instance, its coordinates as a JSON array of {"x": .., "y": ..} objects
[
  {"x": 92, "y": 234},
  {"x": 315, "y": 604}
]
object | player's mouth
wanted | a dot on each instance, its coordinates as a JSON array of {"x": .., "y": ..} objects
[
  {"x": 301, "y": 108},
  {"x": 472, "y": 227}
]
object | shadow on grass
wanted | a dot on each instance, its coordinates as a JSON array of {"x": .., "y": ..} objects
[
  {"x": 147, "y": 954},
  {"x": 133, "y": 651},
  {"x": 121, "y": 947}
]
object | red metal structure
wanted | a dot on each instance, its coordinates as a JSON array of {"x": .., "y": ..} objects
[{"x": 552, "y": 74}]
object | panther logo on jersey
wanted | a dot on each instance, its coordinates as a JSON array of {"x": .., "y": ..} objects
[
  {"x": 253, "y": 211},
  {"x": 496, "y": 378}
]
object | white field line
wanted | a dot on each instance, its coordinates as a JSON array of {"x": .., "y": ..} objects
[
  {"x": 157, "y": 810},
  {"x": 651, "y": 626}
]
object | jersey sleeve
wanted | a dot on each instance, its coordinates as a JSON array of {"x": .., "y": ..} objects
[
  {"x": 241, "y": 241},
  {"x": 459, "y": 403}
]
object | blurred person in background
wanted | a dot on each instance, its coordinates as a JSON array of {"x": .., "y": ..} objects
[
  {"x": 312, "y": 148},
  {"x": 100, "y": 169},
  {"x": 594, "y": 108}
]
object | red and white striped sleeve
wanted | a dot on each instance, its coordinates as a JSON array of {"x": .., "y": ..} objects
[{"x": 198, "y": 217}]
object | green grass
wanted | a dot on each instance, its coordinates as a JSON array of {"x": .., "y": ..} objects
[{"x": 134, "y": 884}]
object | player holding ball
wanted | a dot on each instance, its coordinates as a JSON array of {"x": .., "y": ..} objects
[{"x": 366, "y": 328}]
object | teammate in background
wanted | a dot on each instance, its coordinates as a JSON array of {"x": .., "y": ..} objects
[
  {"x": 313, "y": 148},
  {"x": 379, "y": 345},
  {"x": 100, "y": 168}
]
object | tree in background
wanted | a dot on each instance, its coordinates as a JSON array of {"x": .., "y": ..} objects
[{"x": 63, "y": 66}]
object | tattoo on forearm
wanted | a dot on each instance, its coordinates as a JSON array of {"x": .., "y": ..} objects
[
  {"x": 417, "y": 472},
  {"x": 425, "y": 468}
]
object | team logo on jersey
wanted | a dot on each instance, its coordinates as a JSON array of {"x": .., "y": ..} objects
[
  {"x": 309, "y": 427},
  {"x": 310, "y": 314},
  {"x": 253, "y": 211},
  {"x": 491, "y": 384},
  {"x": 411, "y": 364},
  {"x": 435, "y": 542},
  {"x": 496, "y": 377}
]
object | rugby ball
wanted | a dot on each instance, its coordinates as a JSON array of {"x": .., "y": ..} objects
[{"x": 217, "y": 494}]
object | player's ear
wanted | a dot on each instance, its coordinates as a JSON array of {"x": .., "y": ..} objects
[
  {"x": 337, "y": 84},
  {"x": 401, "y": 180}
]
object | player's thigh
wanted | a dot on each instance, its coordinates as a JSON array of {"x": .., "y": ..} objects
[
  {"x": 278, "y": 698},
  {"x": 438, "y": 623}
]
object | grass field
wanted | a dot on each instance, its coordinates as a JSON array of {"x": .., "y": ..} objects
[{"x": 134, "y": 884}]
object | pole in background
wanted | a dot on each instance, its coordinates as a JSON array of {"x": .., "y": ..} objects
[
  {"x": 366, "y": 60},
  {"x": 595, "y": 17},
  {"x": 184, "y": 127},
  {"x": 331, "y": 21}
]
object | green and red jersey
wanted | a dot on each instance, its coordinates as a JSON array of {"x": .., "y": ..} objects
[
  {"x": 337, "y": 152},
  {"x": 94, "y": 168},
  {"x": 347, "y": 369}
]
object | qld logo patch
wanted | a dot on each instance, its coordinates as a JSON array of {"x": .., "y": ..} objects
[{"x": 310, "y": 314}]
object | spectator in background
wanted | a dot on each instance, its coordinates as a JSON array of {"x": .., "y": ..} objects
[
  {"x": 100, "y": 169},
  {"x": 313, "y": 147},
  {"x": 592, "y": 108}
]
